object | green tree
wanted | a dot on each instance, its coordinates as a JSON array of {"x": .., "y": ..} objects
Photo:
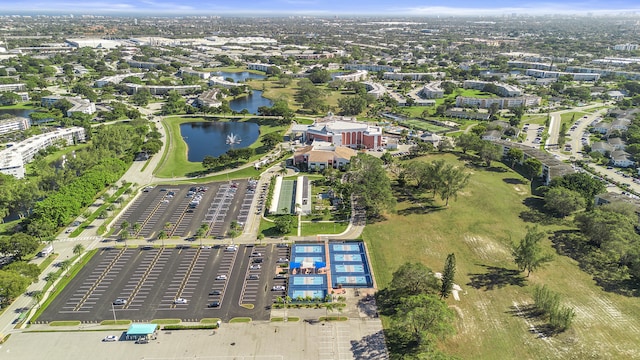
[
  {"x": 532, "y": 168},
  {"x": 370, "y": 184},
  {"x": 468, "y": 142},
  {"x": 78, "y": 249},
  {"x": 284, "y": 224},
  {"x": 28, "y": 270},
  {"x": 12, "y": 284},
  {"x": 452, "y": 180},
  {"x": 490, "y": 152},
  {"x": 563, "y": 201},
  {"x": 414, "y": 279},
  {"x": 583, "y": 183},
  {"x": 19, "y": 245},
  {"x": 528, "y": 254},
  {"x": 448, "y": 276},
  {"x": 514, "y": 155}
]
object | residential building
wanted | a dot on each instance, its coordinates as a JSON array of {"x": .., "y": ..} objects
[
  {"x": 375, "y": 89},
  {"x": 162, "y": 89},
  {"x": 321, "y": 155},
  {"x": 189, "y": 71},
  {"x": 14, "y": 124},
  {"x": 629, "y": 75},
  {"x": 357, "y": 75},
  {"x": 413, "y": 76},
  {"x": 342, "y": 131},
  {"x": 492, "y": 135},
  {"x": 602, "y": 127},
  {"x": 78, "y": 105},
  {"x": 530, "y": 65},
  {"x": 626, "y": 47},
  {"x": 503, "y": 103},
  {"x": 209, "y": 98},
  {"x": 622, "y": 159},
  {"x": 544, "y": 74},
  {"x": 220, "y": 81},
  {"x": 145, "y": 64},
  {"x": 260, "y": 66},
  {"x": 431, "y": 91},
  {"x": 12, "y": 87},
  {"x": 617, "y": 143},
  {"x": 621, "y": 124},
  {"x": 431, "y": 138},
  {"x": 551, "y": 167},
  {"x": 14, "y": 158},
  {"x": 372, "y": 67},
  {"x": 503, "y": 89},
  {"x": 115, "y": 79},
  {"x": 601, "y": 147}
]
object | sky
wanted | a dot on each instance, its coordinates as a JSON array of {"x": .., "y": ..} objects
[{"x": 317, "y": 7}]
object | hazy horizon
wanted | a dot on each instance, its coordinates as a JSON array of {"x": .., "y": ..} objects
[{"x": 417, "y": 8}]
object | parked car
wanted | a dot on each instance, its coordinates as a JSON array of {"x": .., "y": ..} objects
[
  {"x": 254, "y": 277},
  {"x": 221, "y": 277},
  {"x": 283, "y": 260},
  {"x": 110, "y": 338},
  {"x": 215, "y": 292},
  {"x": 255, "y": 267},
  {"x": 214, "y": 304},
  {"x": 278, "y": 288},
  {"x": 120, "y": 301},
  {"x": 142, "y": 341}
]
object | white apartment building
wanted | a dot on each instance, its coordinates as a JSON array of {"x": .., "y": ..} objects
[
  {"x": 375, "y": 89},
  {"x": 543, "y": 74},
  {"x": 14, "y": 124},
  {"x": 220, "y": 81},
  {"x": 626, "y": 47},
  {"x": 504, "y": 89},
  {"x": 412, "y": 76},
  {"x": 189, "y": 71},
  {"x": 431, "y": 91},
  {"x": 260, "y": 66},
  {"x": 503, "y": 103},
  {"x": 358, "y": 75},
  {"x": 371, "y": 67},
  {"x": 12, "y": 87},
  {"x": 13, "y": 159},
  {"x": 531, "y": 65},
  {"x": 162, "y": 89},
  {"x": 115, "y": 79},
  {"x": 78, "y": 105},
  {"x": 629, "y": 75}
]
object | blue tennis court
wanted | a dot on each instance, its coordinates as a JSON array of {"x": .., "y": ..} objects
[
  {"x": 308, "y": 249},
  {"x": 349, "y": 268},
  {"x": 352, "y": 280},
  {"x": 349, "y": 265},
  {"x": 308, "y": 280},
  {"x": 345, "y": 247},
  {"x": 308, "y": 259},
  {"x": 347, "y": 257},
  {"x": 302, "y": 294}
]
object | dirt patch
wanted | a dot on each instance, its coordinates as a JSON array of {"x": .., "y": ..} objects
[
  {"x": 520, "y": 190},
  {"x": 486, "y": 248}
]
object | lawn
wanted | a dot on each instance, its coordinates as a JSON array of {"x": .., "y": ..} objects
[
  {"x": 174, "y": 161},
  {"x": 315, "y": 228},
  {"x": 423, "y": 125},
  {"x": 479, "y": 228},
  {"x": 268, "y": 228}
]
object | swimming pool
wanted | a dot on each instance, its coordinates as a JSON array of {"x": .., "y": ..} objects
[
  {"x": 340, "y": 268},
  {"x": 352, "y": 280},
  {"x": 308, "y": 280},
  {"x": 347, "y": 257},
  {"x": 320, "y": 294},
  {"x": 346, "y": 247},
  {"x": 306, "y": 249}
]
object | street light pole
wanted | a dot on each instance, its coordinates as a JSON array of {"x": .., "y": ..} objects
[{"x": 114, "y": 314}]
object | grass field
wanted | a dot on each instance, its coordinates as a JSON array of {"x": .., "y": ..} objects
[
  {"x": 423, "y": 125},
  {"x": 315, "y": 228},
  {"x": 174, "y": 161},
  {"x": 479, "y": 228},
  {"x": 286, "y": 199}
]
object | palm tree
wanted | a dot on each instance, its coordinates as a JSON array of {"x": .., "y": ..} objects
[
  {"x": 65, "y": 265},
  {"x": 51, "y": 277},
  {"x": 162, "y": 235},
  {"x": 37, "y": 296},
  {"x": 124, "y": 226},
  {"x": 136, "y": 228},
  {"x": 167, "y": 227},
  {"x": 78, "y": 249}
]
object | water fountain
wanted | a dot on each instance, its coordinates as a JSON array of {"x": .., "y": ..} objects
[{"x": 232, "y": 139}]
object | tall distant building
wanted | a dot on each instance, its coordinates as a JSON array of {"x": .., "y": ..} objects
[{"x": 135, "y": 22}]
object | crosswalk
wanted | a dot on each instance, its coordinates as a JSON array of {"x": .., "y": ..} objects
[{"x": 80, "y": 238}]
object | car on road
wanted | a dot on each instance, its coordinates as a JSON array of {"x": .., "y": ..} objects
[
  {"x": 221, "y": 277},
  {"x": 215, "y": 292},
  {"x": 214, "y": 304},
  {"x": 110, "y": 338},
  {"x": 255, "y": 267},
  {"x": 120, "y": 301},
  {"x": 180, "y": 301},
  {"x": 278, "y": 288}
]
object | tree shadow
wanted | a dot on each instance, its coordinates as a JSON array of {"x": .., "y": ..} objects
[
  {"x": 420, "y": 209},
  {"x": 531, "y": 313},
  {"x": 497, "y": 169},
  {"x": 514, "y": 181},
  {"x": 372, "y": 346},
  {"x": 368, "y": 306},
  {"x": 496, "y": 278}
]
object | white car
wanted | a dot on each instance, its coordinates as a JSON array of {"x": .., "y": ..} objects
[
  {"x": 110, "y": 338},
  {"x": 180, "y": 301},
  {"x": 221, "y": 277},
  {"x": 255, "y": 267},
  {"x": 278, "y": 288}
]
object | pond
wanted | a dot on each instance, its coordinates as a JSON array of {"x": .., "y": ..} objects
[
  {"x": 239, "y": 76},
  {"x": 17, "y": 112},
  {"x": 250, "y": 102},
  {"x": 210, "y": 138}
]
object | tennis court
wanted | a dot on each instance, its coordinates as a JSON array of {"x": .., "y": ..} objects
[
  {"x": 286, "y": 203},
  {"x": 349, "y": 266}
]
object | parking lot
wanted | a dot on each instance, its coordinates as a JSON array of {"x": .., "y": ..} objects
[
  {"x": 180, "y": 210},
  {"x": 187, "y": 283}
]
